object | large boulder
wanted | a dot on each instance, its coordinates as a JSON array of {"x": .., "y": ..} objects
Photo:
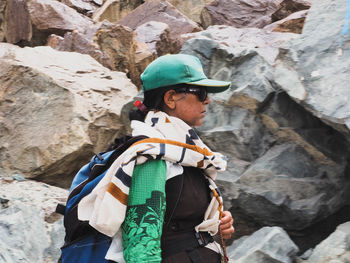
[
  {"x": 30, "y": 230},
  {"x": 156, "y": 35},
  {"x": 71, "y": 105},
  {"x": 288, "y": 7},
  {"x": 263, "y": 42},
  {"x": 191, "y": 8},
  {"x": 115, "y": 46},
  {"x": 114, "y": 10},
  {"x": 123, "y": 52},
  {"x": 17, "y": 24},
  {"x": 269, "y": 244},
  {"x": 161, "y": 11},
  {"x": 314, "y": 69},
  {"x": 2, "y": 19},
  {"x": 334, "y": 249},
  {"x": 293, "y": 23},
  {"x": 286, "y": 167},
  {"x": 84, "y": 7},
  {"x": 31, "y": 22},
  {"x": 239, "y": 13}
]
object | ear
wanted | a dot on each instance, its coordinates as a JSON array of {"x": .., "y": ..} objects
[{"x": 169, "y": 99}]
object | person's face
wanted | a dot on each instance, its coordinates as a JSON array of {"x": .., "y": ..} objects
[{"x": 186, "y": 106}]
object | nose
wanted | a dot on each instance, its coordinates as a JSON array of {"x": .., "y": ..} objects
[{"x": 207, "y": 100}]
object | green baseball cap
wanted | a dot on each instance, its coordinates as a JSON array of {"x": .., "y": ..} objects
[{"x": 175, "y": 69}]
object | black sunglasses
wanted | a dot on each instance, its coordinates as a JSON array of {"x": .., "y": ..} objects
[{"x": 200, "y": 92}]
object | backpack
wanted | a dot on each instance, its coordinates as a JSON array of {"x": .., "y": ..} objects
[{"x": 82, "y": 242}]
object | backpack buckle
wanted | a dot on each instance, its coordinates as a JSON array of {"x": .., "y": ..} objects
[{"x": 201, "y": 240}]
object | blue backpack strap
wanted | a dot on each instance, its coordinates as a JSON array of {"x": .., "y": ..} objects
[
  {"x": 84, "y": 182},
  {"x": 90, "y": 249}
]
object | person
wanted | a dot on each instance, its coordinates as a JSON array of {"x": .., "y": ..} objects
[{"x": 159, "y": 201}]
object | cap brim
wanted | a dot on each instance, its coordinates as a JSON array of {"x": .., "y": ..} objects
[{"x": 213, "y": 86}]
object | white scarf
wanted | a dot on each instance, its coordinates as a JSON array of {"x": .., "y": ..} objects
[{"x": 170, "y": 139}]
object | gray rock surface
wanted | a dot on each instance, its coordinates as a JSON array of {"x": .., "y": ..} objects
[
  {"x": 71, "y": 106},
  {"x": 334, "y": 249},
  {"x": 263, "y": 42},
  {"x": 283, "y": 158},
  {"x": 269, "y": 244},
  {"x": 30, "y": 230},
  {"x": 315, "y": 70}
]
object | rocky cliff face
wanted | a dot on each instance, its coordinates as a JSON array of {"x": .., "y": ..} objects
[{"x": 69, "y": 69}]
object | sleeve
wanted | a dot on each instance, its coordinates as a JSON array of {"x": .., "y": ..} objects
[{"x": 142, "y": 227}]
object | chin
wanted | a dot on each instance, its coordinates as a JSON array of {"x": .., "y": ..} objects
[{"x": 198, "y": 124}]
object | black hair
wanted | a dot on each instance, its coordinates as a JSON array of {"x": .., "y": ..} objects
[{"x": 153, "y": 100}]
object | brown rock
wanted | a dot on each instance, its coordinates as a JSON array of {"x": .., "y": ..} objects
[
  {"x": 156, "y": 35},
  {"x": 239, "y": 13},
  {"x": 2, "y": 19},
  {"x": 124, "y": 54},
  {"x": 77, "y": 42},
  {"x": 114, "y": 10},
  {"x": 17, "y": 22},
  {"x": 288, "y": 7},
  {"x": 292, "y": 24},
  {"x": 114, "y": 46},
  {"x": 81, "y": 6},
  {"x": 161, "y": 11},
  {"x": 191, "y": 8},
  {"x": 48, "y": 15}
]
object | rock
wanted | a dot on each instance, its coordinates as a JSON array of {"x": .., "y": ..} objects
[
  {"x": 118, "y": 44},
  {"x": 52, "y": 17},
  {"x": 288, "y": 7},
  {"x": 2, "y": 20},
  {"x": 156, "y": 35},
  {"x": 80, "y": 5},
  {"x": 98, "y": 2},
  {"x": 269, "y": 244},
  {"x": 31, "y": 22},
  {"x": 274, "y": 143},
  {"x": 114, "y": 46},
  {"x": 25, "y": 236},
  {"x": 114, "y": 10},
  {"x": 239, "y": 13},
  {"x": 314, "y": 69},
  {"x": 18, "y": 26},
  {"x": 161, "y": 11},
  {"x": 192, "y": 8},
  {"x": 75, "y": 99},
  {"x": 292, "y": 24},
  {"x": 32, "y": 193},
  {"x": 335, "y": 248},
  {"x": 77, "y": 42},
  {"x": 264, "y": 42},
  {"x": 19, "y": 225}
]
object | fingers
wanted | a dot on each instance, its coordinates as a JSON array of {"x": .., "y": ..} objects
[{"x": 226, "y": 227}]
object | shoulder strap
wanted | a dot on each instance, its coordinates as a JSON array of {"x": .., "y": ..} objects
[{"x": 123, "y": 144}]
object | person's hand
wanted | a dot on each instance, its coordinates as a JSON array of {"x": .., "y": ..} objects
[{"x": 226, "y": 223}]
